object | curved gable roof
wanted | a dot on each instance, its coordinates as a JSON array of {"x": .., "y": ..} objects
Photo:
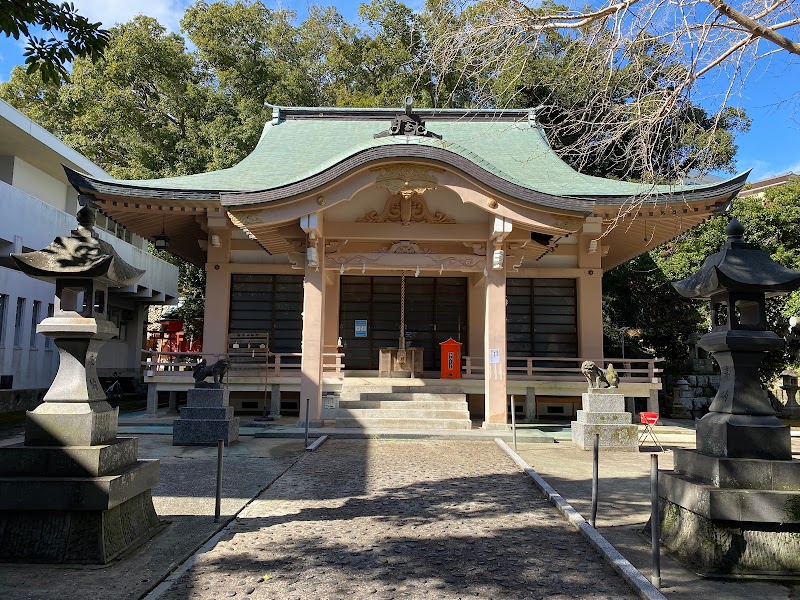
[{"x": 302, "y": 148}]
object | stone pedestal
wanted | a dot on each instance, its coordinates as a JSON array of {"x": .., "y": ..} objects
[
  {"x": 732, "y": 515},
  {"x": 604, "y": 413},
  {"x": 206, "y": 419},
  {"x": 73, "y": 492},
  {"x": 732, "y": 506},
  {"x": 75, "y": 504}
]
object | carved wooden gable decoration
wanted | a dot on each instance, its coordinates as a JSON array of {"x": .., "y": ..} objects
[{"x": 406, "y": 208}]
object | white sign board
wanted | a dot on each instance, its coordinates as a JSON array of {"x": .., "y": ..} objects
[{"x": 494, "y": 356}]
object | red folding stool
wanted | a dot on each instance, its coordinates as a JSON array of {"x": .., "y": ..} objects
[{"x": 649, "y": 420}]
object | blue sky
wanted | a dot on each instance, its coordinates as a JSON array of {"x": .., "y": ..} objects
[{"x": 771, "y": 95}]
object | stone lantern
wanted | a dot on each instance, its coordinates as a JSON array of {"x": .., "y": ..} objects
[
  {"x": 736, "y": 281},
  {"x": 72, "y": 483},
  {"x": 730, "y": 506}
]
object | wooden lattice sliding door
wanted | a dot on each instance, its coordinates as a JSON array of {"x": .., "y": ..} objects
[
  {"x": 268, "y": 304},
  {"x": 436, "y": 309},
  {"x": 541, "y": 318}
]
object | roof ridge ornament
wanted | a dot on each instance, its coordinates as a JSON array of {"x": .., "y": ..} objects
[{"x": 408, "y": 124}]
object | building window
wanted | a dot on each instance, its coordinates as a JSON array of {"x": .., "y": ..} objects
[
  {"x": 120, "y": 317},
  {"x": 48, "y": 341},
  {"x": 3, "y": 302},
  {"x": 18, "y": 321},
  {"x": 37, "y": 308}
]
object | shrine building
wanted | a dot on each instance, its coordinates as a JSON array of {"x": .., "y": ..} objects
[{"x": 344, "y": 227}]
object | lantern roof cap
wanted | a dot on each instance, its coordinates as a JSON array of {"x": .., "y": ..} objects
[
  {"x": 82, "y": 255},
  {"x": 740, "y": 267}
]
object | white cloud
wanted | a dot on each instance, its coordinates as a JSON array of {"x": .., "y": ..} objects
[
  {"x": 111, "y": 12},
  {"x": 764, "y": 170}
]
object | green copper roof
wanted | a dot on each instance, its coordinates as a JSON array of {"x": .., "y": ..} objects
[{"x": 303, "y": 143}]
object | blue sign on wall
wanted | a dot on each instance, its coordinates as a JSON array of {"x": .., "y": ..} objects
[{"x": 361, "y": 328}]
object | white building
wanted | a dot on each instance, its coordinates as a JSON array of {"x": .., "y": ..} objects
[{"x": 37, "y": 204}]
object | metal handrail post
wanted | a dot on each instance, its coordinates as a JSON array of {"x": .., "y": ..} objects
[
  {"x": 218, "y": 502},
  {"x": 308, "y": 405},
  {"x": 595, "y": 477},
  {"x": 513, "y": 422},
  {"x": 655, "y": 529}
]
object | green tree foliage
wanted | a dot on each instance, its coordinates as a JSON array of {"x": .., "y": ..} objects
[
  {"x": 640, "y": 304},
  {"x": 608, "y": 122},
  {"x": 638, "y": 295},
  {"x": 49, "y": 56},
  {"x": 154, "y": 108}
]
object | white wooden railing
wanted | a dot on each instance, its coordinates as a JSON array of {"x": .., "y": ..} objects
[
  {"x": 276, "y": 364},
  {"x": 640, "y": 370}
]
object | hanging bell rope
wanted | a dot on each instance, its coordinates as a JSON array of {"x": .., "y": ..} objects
[{"x": 402, "y": 341}]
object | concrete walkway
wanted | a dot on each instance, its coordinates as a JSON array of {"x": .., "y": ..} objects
[{"x": 401, "y": 519}]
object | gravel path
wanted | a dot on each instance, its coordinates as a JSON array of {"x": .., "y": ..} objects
[{"x": 401, "y": 519}]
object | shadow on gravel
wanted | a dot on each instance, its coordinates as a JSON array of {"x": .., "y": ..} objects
[{"x": 487, "y": 536}]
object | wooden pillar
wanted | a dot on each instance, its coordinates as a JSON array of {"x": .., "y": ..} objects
[
  {"x": 313, "y": 332},
  {"x": 218, "y": 289},
  {"x": 332, "y": 284},
  {"x": 494, "y": 347},
  {"x": 590, "y": 315},
  {"x": 476, "y": 321},
  {"x": 590, "y": 290}
]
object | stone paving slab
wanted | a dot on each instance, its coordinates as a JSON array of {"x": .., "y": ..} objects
[
  {"x": 401, "y": 519},
  {"x": 184, "y": 499}
]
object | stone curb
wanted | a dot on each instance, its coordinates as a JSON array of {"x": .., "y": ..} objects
[
  {"x": 317, "y": 443},
  {"x": 638, "y": 582},
  {"x": 168, "y": 580}
]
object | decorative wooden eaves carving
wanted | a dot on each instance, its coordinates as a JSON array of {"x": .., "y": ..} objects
[
  {"x": 477, "y": 249},
  {"x": 405, "y": 247},
  {"x": 385, "y": 260},
  {"x": 406, "y": 178},
  {"x": 405, "y": 208}
]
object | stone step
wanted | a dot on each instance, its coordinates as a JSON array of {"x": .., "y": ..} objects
[
  {"x": 388, "y": 413},
  {"x": 403, "y": 423},
  {"x": 405, "y": 404},
  {"x": 402, "y": 389},
  {"x": 403, "y": 396}
]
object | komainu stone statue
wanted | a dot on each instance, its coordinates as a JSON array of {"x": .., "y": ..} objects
[
  {"x": 202, "y": 370},
  {"x": 594, "y": 374}
]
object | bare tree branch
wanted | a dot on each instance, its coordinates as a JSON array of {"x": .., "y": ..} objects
[
  {"x": 635, "y": 89},
  {"x": 756, "y": 28}
]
